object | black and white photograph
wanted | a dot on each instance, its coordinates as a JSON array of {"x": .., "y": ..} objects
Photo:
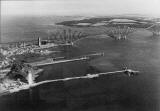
[{"x": 80, "y": 55}]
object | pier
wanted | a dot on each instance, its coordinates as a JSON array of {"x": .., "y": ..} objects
[
  {"x": 31, "y": 84},
  {"x": 155, "y": 29},
  {"x": 59, "y": 61}
]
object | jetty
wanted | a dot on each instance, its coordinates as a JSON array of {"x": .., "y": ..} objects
[
  {"x": 25, "y": 86},
  {"x": 154, "y": 28},
  {"x": 51, "y": 61}
]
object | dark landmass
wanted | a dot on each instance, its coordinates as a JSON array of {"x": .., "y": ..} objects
[{"x": 132, "y": 22}]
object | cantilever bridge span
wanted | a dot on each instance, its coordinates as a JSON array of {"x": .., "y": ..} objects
[{"x": 155, "y": 29}]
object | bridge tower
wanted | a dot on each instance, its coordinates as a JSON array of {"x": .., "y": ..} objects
[
  {"x": 119, "y": 33},
  {"x": 68, "y": 36},
  {"x": 155, "y": 29}
]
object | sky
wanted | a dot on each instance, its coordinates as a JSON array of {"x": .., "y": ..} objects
[{"x": 81, "y": 7}]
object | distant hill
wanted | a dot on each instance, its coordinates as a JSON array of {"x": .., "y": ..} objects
[
  {"x": 19, "y": 28},
  {"x": 109, "y": 21}
]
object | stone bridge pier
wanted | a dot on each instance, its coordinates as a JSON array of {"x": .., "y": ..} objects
[
  {"x": 155, "y": 29},
  {"x": 119, "y": 33}
]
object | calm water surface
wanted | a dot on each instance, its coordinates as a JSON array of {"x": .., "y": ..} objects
[{"x": 111, "y": 93}]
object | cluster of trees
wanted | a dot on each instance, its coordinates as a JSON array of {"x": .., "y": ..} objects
[
  {"x": 119, "y": 33},
  {"x": 19, "y": 70}
]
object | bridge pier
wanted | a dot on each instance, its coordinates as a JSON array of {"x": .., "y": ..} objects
[
  {"x": 155, "y": 29},
  {"x": 156, "y": 32},
  {"x": 120, "y": 33},
  {"x": 68, "y": 36}
]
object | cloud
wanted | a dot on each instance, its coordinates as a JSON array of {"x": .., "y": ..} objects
[{"x": 81, "y": 7}]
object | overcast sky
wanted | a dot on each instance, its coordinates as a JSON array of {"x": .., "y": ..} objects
[{"x": 81, "y": 7}]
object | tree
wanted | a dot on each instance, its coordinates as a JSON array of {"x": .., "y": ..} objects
[{"x": 19, "y": 70}]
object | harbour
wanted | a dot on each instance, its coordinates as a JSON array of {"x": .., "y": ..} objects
[{"x": 82, "y": 59}]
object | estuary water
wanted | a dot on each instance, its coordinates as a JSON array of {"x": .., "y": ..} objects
[
  {"x": 107, "y": 93},
  {"x": 113, "y": 93}
]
